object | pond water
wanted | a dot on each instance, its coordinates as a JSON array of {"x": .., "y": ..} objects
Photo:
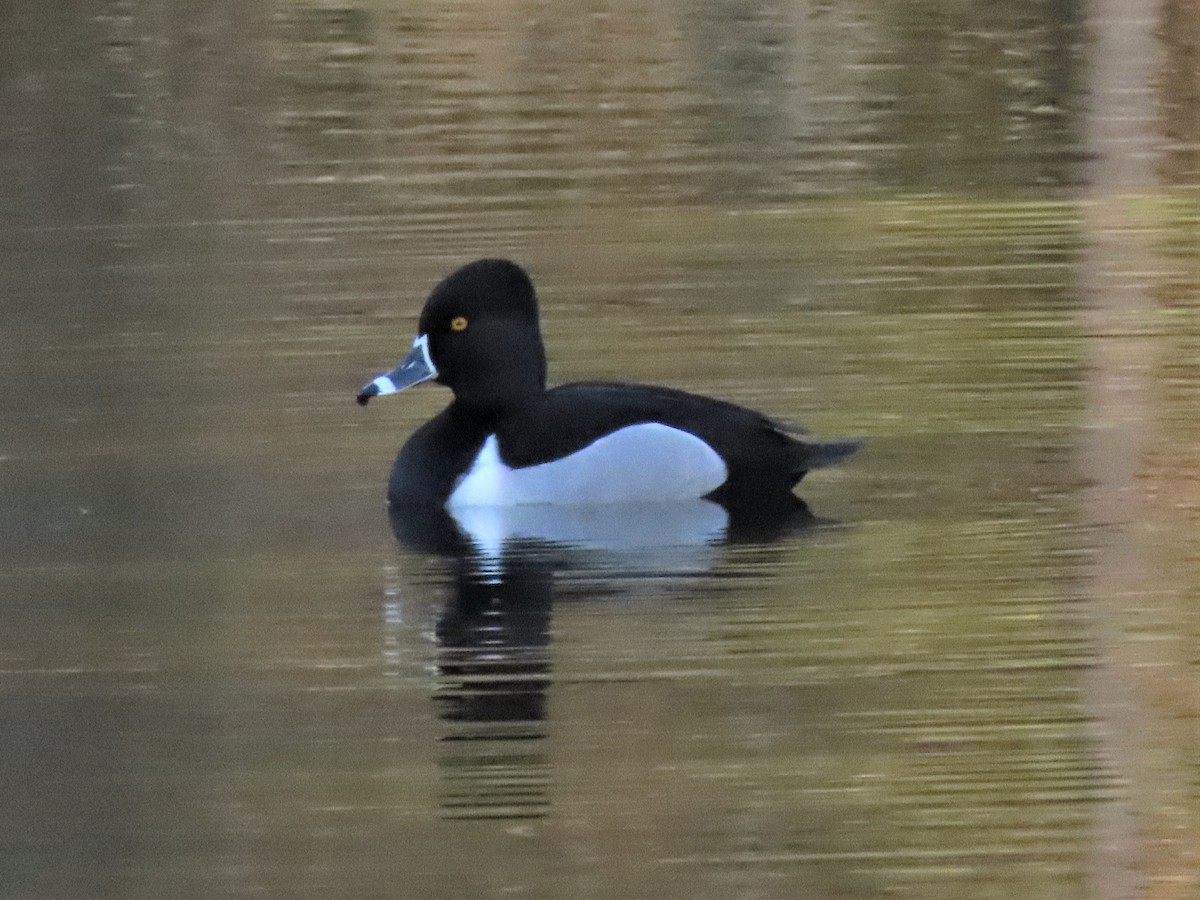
[{"x": 968, "y": 235}]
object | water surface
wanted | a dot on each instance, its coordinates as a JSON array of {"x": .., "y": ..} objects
[{"x": 966, "y": 235}]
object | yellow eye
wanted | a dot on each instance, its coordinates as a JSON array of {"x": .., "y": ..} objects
[{"x": 458, "y": 323}]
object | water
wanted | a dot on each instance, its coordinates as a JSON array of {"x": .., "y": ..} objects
[{"x": 968, "y": 236}]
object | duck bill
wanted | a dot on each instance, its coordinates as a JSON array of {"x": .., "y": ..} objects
[{"x": 413, "y": 369}]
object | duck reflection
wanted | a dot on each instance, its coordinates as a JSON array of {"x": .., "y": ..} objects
[
  {"x": 492, "y": 644},
  {"x": 493, "y": 674},
  {"x": 492, "y": 658}
]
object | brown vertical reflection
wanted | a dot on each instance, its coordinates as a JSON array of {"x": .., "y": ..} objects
[
  {"x": 1115, "y": 312},
  {"x": 1180, "y": 91}
]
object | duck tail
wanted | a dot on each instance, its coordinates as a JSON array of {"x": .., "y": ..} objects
[{"x": 818, "y": 455}]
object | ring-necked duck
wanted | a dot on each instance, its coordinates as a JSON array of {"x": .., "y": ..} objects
[{"x": 506, "y": 439}]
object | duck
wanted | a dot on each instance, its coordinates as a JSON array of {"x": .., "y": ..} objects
[{"x": 506, "y": 439}]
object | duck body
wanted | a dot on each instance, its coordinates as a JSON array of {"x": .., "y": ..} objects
[{"x": 506, "y": 439}]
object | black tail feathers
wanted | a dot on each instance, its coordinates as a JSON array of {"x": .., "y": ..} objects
[{"x": 817, "y": 455}]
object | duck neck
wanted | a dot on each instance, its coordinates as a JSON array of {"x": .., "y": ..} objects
[
  {"x": 507, "y": 382},
  {"x": 490, "y": 407}
]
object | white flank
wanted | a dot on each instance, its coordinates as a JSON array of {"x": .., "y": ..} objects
[{"x": 646, "y": 463}]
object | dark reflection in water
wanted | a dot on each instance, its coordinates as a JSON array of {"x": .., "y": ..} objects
[
  {"x": 493, "y": 638},
  {"x": 493, "y": 666},
  {"x": 493, "y": 635}
]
